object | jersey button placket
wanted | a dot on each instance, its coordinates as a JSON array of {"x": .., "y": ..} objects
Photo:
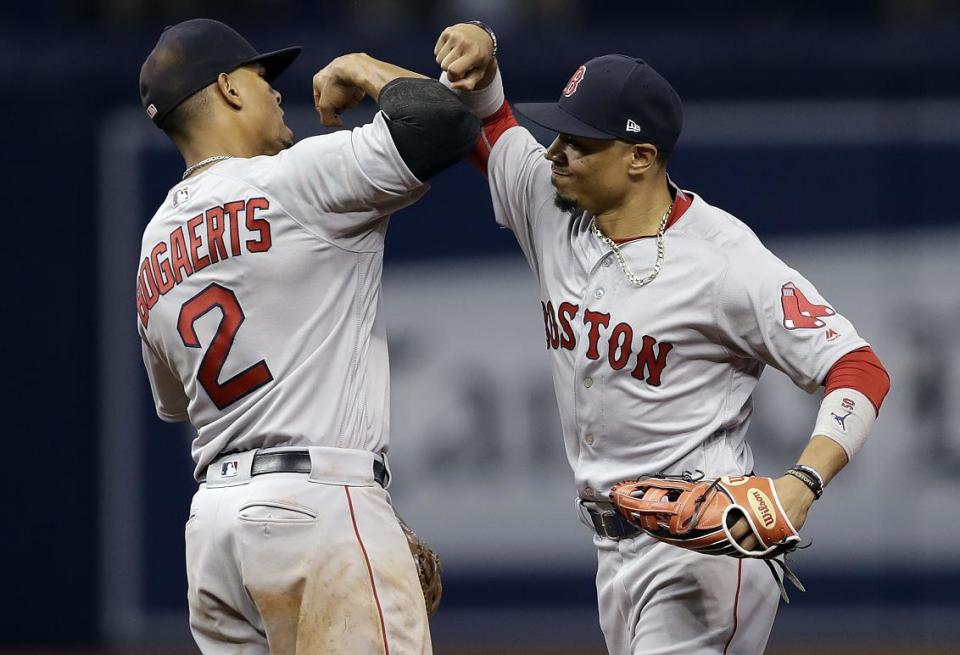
[{"x": 589, "y": 398}]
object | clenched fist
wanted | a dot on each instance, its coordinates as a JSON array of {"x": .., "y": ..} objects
[
  {"x": 465, "y": 52},
  {"x": 337, "y": 88}
]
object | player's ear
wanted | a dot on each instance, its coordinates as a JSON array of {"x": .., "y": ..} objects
[
  {"x": 229, "y": 90},
  {"x": 643, "y": 158}
]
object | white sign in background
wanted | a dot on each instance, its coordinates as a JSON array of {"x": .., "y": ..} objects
[{"x": 476, "y": 444}]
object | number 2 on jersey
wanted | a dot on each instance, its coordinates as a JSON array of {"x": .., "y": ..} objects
[{"x": 250, "y": 379}]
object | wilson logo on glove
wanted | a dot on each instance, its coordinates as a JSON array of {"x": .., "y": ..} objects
[{"x": 761, "y": 508}]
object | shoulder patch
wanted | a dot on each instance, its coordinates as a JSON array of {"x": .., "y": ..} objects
[{"x": 800, "y": 313}]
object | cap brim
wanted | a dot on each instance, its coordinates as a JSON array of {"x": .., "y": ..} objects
[
  {"x": 552, "y": 117},
  {"x": 277, "y": 61}
]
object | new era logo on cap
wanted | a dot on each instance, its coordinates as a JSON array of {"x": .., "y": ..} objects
[{"x": 632, "y": 126}]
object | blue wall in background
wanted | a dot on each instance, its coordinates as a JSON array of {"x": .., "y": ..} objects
[{"x": 59, "y": 79}]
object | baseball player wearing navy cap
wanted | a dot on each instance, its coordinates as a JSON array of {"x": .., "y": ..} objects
[
  {"x": 258, "y": 298},
  {"x": 660, "y": 313}
]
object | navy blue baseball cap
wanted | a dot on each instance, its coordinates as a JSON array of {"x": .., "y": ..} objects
[
  {"x": 614, "y": 97},
  {"x": 192, "y": 54}
]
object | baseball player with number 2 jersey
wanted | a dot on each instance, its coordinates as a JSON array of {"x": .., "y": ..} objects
[
  {"x": 258, "y": 301},
  {"x": 660, "y": 313}
]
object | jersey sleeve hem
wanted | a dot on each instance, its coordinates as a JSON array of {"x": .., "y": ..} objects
[
  {"x": 821, "y": 377},
  {"x": 861, "y": 370},
  {"x": 407, "y": 178},
  {"x": 172, "y": 418}
]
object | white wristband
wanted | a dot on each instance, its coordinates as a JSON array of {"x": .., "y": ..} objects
[
  {"x": 483, "y": 102},
  {"x": 847, "y": 417}
]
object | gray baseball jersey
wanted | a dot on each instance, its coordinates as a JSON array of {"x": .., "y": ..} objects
[
  {"x": 659, "y": 378},
  {"x": 258, "y": 296}
]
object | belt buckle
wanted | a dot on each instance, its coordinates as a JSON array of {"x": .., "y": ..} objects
[
  {"x": 606, "y": 523},
  {"x": 609, "y": 527}
]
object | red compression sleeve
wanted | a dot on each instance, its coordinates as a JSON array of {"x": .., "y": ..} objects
[
  {"x": 493, "y": 126},
  {"x": 860, "y": 370}
]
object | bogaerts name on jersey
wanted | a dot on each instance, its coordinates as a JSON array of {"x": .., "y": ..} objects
[{"x": 206, "y": 239}]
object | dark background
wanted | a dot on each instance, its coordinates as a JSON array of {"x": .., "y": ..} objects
[{"x": 64, "y": 66}]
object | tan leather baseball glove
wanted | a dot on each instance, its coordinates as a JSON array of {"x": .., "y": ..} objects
[
  {"x": 697, "y": 513},
  {"x": 429, "y": 568}
]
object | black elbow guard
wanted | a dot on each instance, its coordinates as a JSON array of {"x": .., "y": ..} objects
[{"x": 430, "y": 127}]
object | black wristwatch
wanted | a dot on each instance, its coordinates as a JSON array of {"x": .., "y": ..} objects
[{"x": 486, "y": 28}]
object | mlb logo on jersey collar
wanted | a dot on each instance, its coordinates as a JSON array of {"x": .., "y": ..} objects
[{"x": 180, "y": 196}]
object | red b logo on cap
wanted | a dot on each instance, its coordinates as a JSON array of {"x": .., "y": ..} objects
[{"x": 571, "y": 86}]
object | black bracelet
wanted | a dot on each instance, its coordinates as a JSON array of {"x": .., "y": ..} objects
[
  {"x": 812, "y": 483},
  {"x": 486, "y": 28},
  {"x": 812, "y": 472}
]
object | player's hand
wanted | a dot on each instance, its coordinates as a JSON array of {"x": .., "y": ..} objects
[
  {"x": 465, "y": 52},
  {"x": 336, "y": 89},
  {"x": 796, "y": 499}
]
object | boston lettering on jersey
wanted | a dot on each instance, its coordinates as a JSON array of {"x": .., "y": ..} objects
[
  {"x": 206, "y": 239},
  {"x": 651, "y": 358}
]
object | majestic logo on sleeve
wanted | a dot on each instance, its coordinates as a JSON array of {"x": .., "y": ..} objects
[
  {"x": 574, "y": 82},
  {"x": 648, "y": 358},
  {"x": 798, "y": 312}
]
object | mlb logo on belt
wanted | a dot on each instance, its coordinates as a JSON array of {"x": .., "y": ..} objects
[{"x": 229, "y": 469}]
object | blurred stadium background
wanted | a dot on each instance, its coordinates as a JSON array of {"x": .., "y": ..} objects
[{"x": 832, "y": 128}]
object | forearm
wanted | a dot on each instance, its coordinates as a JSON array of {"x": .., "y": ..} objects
[
  {"x": 371, "y": 75},
  {"x": 489, "y": 76},
  {"x": 486, "y": 98},
  {"x": 856, "y": 386},
  {"x": 467, "y": 55},
  {"x": 825, "y": 456}
]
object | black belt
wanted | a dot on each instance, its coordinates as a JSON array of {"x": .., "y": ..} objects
[
  {"x": 609, "y": 524},
  {"x": 298, "y": 461}
]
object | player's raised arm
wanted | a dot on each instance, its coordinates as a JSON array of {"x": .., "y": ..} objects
[
  {"x": 467, "y": 55},
  {"x": 429, "y": 126},
  {"x": 344, "y": 183},
  {"x": 513, "y": 161}
]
